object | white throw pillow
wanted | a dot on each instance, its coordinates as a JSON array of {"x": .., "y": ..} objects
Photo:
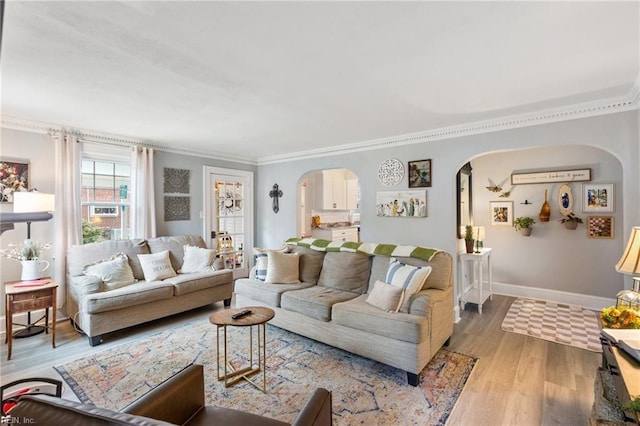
[
  {"x": 409, "y": 278},
  {"x": 262, "y": 260},
  {"x": 385, "y": 296},
  {"x": 114, "y": 272},
  {"x": 282, "y": 268},
  {"x": 197, "y": 259},
  {"x": 156, "y": 266}
]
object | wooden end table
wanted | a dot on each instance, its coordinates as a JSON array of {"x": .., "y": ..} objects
[
  {"x": 625, "y": 372},
  {"x": 27, "y": 296},
  {"x": 258, "y": 318}
]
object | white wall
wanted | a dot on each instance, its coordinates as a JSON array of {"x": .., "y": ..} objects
[
  {"x": 614, "y": 133},
  {"x": 38, "y": 150},
  {"x": 196, "y": 190},
  {"x": 553, "y": 257}
]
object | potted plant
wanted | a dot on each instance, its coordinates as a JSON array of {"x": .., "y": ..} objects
[
  {"x": 468, "y": 238},
  {"x": 571, "y": 221},
  {"x": 524, "y": 225}
]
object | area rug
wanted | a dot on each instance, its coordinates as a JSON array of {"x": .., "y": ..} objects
[
  {"x": 363, "y": 391},
  {"x": 556, "y": 322}
]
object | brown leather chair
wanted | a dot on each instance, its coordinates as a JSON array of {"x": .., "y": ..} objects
[{"x": 177, "y": 401}]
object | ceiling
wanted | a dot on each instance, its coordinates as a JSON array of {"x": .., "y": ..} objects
[{"x": 266, "y": 80}]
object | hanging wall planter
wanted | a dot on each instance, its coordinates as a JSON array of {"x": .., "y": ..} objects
[
  {"x": 524, "y": 225},
  {"x": 526, "y": 232},
  {"x": 571, "y": 221}
]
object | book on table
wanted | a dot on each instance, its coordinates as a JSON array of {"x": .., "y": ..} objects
[
  {"x": 33, "y": 283},
  {"x": 626, "y": 339}
]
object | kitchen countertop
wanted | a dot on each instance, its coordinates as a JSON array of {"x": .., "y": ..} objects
[{"x": 329, "y": 228}]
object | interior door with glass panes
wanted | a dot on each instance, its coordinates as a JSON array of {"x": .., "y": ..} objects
[{"x": 230, "y": 212}]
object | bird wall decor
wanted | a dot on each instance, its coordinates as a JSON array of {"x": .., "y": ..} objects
[
  {"x": 495, "y": 188},
  {"x": 507, "y": 194}
]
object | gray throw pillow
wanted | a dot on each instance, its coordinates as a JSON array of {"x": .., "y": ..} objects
[{"x": 346, "y": 271}]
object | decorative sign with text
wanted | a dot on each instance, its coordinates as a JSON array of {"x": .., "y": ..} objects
[{"x": 578, "y": 175}]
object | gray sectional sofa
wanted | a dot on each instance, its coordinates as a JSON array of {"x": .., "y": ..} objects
[
  {"x": 97, "y": 309},
  {"x": 330, "y": 305}
]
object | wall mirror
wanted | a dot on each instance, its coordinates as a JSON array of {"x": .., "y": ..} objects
[
  {"x": 565, "y": 200},
  {"x": 464, "y": 198}
]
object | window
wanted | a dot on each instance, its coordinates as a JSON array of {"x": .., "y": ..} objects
[{"x": 105, "y": 187}]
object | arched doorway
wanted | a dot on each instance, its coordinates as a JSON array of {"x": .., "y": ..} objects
[{"x": 329, "y": 203}]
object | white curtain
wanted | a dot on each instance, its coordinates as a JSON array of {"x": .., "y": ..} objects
[
  {"x": 142, "y": 204},
  {"x": 68, "y": 213}
]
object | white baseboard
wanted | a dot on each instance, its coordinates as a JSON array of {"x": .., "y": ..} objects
[{"x": 595, "y": 303}]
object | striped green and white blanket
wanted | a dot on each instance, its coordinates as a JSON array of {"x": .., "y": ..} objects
[{"x": 365, "y": 248}]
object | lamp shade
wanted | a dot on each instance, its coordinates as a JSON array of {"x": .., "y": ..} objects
[
  {"x": 629, "y": 263},
  {"x": 30, "y": 202},
  {"x": 478, "y": 233}
]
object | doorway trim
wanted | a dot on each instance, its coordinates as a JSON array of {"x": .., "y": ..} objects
[{"x": 247, "y": 178}]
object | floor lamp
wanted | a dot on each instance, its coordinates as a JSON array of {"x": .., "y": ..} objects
[
  {"x": 33, "y": 202},
  {"x": 30, "y": 207}
]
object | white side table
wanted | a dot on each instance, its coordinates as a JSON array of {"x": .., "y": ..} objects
[{"x": 475, "y": 294}]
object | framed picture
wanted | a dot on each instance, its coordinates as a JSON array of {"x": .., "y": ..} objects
[
  {"x": 600, "y": 226},
  {"x": 501, "y": 213},
  {"x": 401, "y": 203},
  {"x": 420, "y": 174},
  {"x": 597, "y": 198},
  {"x": 14, "y": 176},
  {"x": 575, "y": 175}
]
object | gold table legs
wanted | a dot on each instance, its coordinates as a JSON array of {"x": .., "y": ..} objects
[{"x": 233, "y": 375}]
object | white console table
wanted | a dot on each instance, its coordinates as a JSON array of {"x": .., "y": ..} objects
[{"x": 475, "y": 293}]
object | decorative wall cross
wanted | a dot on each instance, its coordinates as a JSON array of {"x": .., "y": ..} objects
[{"x": 275, "y": 193}]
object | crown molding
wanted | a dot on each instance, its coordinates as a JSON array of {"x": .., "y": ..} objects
[
  {"x": 32, "y": 126},
  {"x": 629, "y": 102}
]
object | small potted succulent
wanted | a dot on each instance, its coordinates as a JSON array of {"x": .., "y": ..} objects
[
  {"x": 468, "y": 238},
  {"x": 571, "y": 221},
  {"x": 524, "y": 225}
]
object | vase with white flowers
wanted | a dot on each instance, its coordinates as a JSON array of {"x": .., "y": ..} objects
[{"x": 28, "y": 254}]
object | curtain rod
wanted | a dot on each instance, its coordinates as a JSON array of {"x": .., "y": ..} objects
[{"x": 101, "y": 139}]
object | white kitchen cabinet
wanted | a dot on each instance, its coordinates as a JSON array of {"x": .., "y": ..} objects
[
  {"x": 352, "y": 196},
  {"x": 331, "y": 190},
  {"x": 336, "y": 234}
]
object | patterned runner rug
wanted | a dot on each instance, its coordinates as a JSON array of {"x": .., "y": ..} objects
[
  {"x": 566, "y": 324},
  {"x": 364, "y": 391}
]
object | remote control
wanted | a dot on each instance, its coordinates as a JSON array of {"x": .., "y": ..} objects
[{"x": 240, "y": 314}]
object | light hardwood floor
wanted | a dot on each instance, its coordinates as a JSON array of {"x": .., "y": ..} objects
[{"x": 517, "y": 380}]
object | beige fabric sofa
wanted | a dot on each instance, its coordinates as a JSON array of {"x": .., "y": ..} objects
[
  {"x": 330, "y": 305},
  {"x": 98, "y": 311}
]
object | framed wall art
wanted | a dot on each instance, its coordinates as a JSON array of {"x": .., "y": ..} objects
[
  {"x": 401, "y": 203},
  {"x": 14, "y": 176},
  {"x": 176, "y": 181},
  {"x": 597, "y": 198},
  {"x": 177, "y": 208},
  {"x": 420, "y": 174},
  {"x": 600, "y": 226},
  {"x": 575, "y": 175},
  {"x": 501, "y": 213}
]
